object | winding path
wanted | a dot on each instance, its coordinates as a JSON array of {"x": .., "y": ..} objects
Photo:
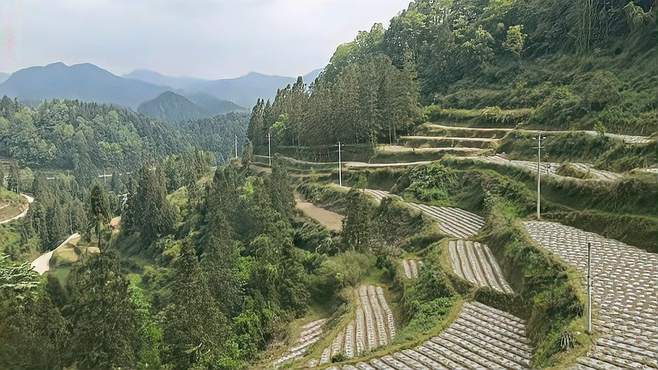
[
  {"x": 331, "y": 220},
  {"x": 30, "y": 200},
  {"x": 42, "y": 263}
]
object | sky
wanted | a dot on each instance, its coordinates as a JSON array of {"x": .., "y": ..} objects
[{"x": 197, "y": 38}]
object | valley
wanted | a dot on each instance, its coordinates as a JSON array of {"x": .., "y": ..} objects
[{"x": 470, "y": 185}]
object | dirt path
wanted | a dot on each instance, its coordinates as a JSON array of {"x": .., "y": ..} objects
[
  {"x": 30, "y": 200},
  {"x": 331, "y": 220},
  {"x": 42, "y": 263}
]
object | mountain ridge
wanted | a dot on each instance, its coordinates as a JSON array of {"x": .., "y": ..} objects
[
  {"x": 85, "y": 81},
  {"x": 172, "y": 107}
]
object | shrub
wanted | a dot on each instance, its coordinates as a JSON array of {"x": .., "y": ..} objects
[
  {"x": 431, "y": 183},
  {"x": 559, "y": 109}
]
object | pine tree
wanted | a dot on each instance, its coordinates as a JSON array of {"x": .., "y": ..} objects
[
  {"x": 105, "y": 333},
  {"x": 357, "y": 225},
  {"x": 283, "y": 200},
  {"x": 98, "y": 213},
  {"x": 195, "y": 330}
]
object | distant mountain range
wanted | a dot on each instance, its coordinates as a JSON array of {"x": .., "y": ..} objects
[
  {"x": 81, "y": 81},
  {"x": 172, "y": 107},
  {"x": 3, "y": 77},
  {"x": 88, "y": 82},
  {"x": 243, "y": 90}
]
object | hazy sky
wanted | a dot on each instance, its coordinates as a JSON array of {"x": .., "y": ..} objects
[{"x": 201, "y": 38}]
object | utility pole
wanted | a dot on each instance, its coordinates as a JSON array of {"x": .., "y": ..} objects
[
  {"x": 340, "y": 167},
  {"x": 236, "y": 146},
  {"x": 269, "y": 147},
  {"x": 539, "y": 148},
  {"x": 589, "y": 287}
]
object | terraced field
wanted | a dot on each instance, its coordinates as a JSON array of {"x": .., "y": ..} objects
[
  {"x": 311, "y": 333},
  {"x": 551, "y": 168},
  {"x": 500, "y": 132},
  {"x": 625, "y": 294},
  {"x": 373, "y": 327},
  {"x": 411, "y": 268},
  {"x": 448, "y": 141},
  {"x": 455, "y": 222},
  {"x": 481, "y": 338},
  {"x": 474, "y": 262}
]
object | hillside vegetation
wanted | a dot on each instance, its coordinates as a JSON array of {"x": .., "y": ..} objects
[
  {"x": 172, "y": 107},
  {"x": 91, "y": 139},
  {"x": 563, "y": 64}
]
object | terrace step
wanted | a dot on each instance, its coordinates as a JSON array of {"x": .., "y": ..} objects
[
  {"x": 475, "y": 263},
  {"x": 462, "y": 347}
]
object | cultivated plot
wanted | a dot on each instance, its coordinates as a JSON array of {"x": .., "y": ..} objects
[
  {"x": 625, "y": 294},
  {"x": 474, "y": 262},
  {"x": 481, "y": 338},
  {"x": 453, "y": 221},
  {"x": 373, "y": 327},
  {"x": 311, "y": 333},
  {"x": 411, "y": 268}
]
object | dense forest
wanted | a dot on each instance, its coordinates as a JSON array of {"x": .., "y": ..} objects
[
  {"x": 219, "y": 284},
  {"x": 576, "y": 64},
  {"x": 91, "y": 139}
]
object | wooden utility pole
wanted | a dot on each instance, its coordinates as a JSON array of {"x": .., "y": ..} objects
[
  {"x": 269, "y": 147},
  {"x": 589, "y": 287},
  {"x": 539, "y": 148},
  {"x": 340, "y": 167}
]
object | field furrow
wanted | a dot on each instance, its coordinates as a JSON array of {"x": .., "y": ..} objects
[
  {"x": 480, "y": 338},
  {"x": 624, "y": 291},
  {"x": 475, "y": 263},
  {"x": 373, "y": 326}
]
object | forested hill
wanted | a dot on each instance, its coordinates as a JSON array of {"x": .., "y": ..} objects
[
  {"x": 89, "y": 138},
  {"x": 572, "y": 64},
  {"x": 172, "y": 107},
  {"x": 217, "y": 134}
]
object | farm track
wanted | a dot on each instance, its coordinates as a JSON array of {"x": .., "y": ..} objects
[
  {"x": 411, "y": 268},
  {"x": 551, "y": 168},
  {"x": 373, "y": 327},
  {"x": 625, "y": 294},
  {"x": 311, "y": 333},
  {"x": 475, "y": 263},
  {"x": 455, "y": 222},
  {"x": 628, "y": 139},
  {"x": 23, "y": 213},
  {"x": 330, "y": 220},
  {"x": 481, "y": 338}
]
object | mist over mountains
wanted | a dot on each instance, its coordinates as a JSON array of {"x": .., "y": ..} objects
[{"x": 88, "y": 82}]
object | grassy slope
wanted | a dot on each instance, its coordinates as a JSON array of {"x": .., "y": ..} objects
[{"x": 617, "y": 87}]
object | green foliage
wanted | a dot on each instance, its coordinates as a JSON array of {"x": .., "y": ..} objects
[
  {"x": 147, "y": 209},
  {"x": 367, "y": 102},
  {"x": 515, "y": 40},
  {"x": 195, "y": 330},
  {"x": 104, "y": 320},
  {"x": 545, "y": 286},
  {"x": 358, "y": 228},
  {"x": 98, "y": 213},
  {"x": 85, "y": 137},
  {"x": 431, "y": 183}
]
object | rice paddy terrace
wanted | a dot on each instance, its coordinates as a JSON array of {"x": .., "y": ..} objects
[
  {"x": 552, "y": 168},
  {"x": 480, "y": 338},
  {"x": 625, "y": 291},
  {"x": 625, "y": 286}
]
